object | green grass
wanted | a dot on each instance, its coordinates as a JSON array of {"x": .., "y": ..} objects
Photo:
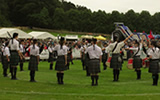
[{"x": 77, "y": 86}]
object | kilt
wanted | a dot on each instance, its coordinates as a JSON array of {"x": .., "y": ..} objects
[
  {"x": 60, "y": 64},
  {"x": 154, "y": 66},
  {"x": 137, "y": 62},
  {"x": 5, "y": 62},
  {"x": 51, "y": 57},
  {"x": 94, "y": 66},
  {"x": 14, "y": 58},
  {"x": 33, "y": 63},
  {"x": 87, "y": 59},
  {"x": 114, "y": 61}
]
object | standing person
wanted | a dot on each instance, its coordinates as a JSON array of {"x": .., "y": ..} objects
[
  {"x": 51, "y": 56},
  {"x": 82, "y": 52},
  {"x": 6, "y": 59},
  {"x": 34, "y": 60},
  {"x": 115, "y": 61},
  {"x": 154, "y": 67},
  {"x": 22, "y": 50},
  {"x": 15, "y": 54},
  {"x": 69, "y": 54},
  {"x": 61, "y": 63},
  {"x": 137, "y": 61},
  {"x": 95, "y": 55},
  {"x": 104, "y": 56},
  {"x": 87, "y": 58}
]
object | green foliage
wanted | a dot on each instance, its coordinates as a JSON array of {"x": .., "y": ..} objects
[{"x": 63, "y": 15}]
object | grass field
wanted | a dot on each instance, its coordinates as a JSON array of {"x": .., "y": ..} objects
[{"x": 77, "y": 86}]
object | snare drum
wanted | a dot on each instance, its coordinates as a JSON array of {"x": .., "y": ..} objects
[
  {"x": 130, "y": 63},
  {"x": 108, "y": 62}
]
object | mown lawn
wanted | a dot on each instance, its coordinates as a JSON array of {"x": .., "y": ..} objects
[{"x": 77, "y": 86}]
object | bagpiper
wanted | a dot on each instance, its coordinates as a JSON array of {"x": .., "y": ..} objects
[
  {"x": 6, "y": 59},
  {"x": 61, "y": 63},
  {"x": 154, "y": 67},
  {"x": 15, "y": 54},
  {"x": 95, "y": 57},
  {"x": 22, "y": 50},
  {"x": 34, "y": 60}
]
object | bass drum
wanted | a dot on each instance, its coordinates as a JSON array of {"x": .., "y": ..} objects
[{"x": 118, "y": 34}]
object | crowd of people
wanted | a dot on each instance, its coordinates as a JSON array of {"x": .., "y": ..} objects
[{"x": 14, "y": 52}]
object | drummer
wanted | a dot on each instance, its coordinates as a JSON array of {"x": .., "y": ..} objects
[
  {"x": 115, "y": 62},
  {"x": 137, "y": 61}
]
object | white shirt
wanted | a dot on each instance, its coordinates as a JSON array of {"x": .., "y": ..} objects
[
  {"x": 155, "y": 53},
  {"x": 22, "y": 48},
  {"x": 34, "y": 51},
  {"x": 107, "y": 49},
  {"x": 88, "y": 45},
  {"x": 6, "y": 51},
  {"x": 15, "y": 45},
  {"x": 60, "y": 51},
  {"x": 94, "y": 54},
  {"x": 83, "y": 47},
  {"x": 119, "y": 46},
  {"x": 50, "y": 49},
  {"x": 135, "y": 49}
]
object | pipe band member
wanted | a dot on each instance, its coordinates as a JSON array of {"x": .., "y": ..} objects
[
  {"x": 34, "y": 60},
  {"x": 95, "y": 55},
  {"x": 61, "y": 63},
  {"x": 115, "y": 49},
  {"x": 104, "y": 56},
  {"x": 82, "y": 52},
  {"x": 87, "y": 58},
  {"x": 15, "y": 54},
  {"x": 51, "y": 56},
  {"x": 154, "y": 67},
  {"x": 137, "y": 61},
  {"x": 69, "y": 54},
  {"x": 6, "y": 59},
  {"x": 22, "y": 50}
]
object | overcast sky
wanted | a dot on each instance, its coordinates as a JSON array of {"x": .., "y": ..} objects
[{"x": 120, "y": 5}]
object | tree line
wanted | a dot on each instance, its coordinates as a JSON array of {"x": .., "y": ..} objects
[{"x": 63, "y": 15}]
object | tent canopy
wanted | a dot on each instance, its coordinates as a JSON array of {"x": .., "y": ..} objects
[
  {"x": 21, "y": 34},
  {"x": 41, "y": 35},
  {"x": 100, "y": 38},
  {"x": 72, "y": 37},
  {"x": 86, "y": 37}
]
